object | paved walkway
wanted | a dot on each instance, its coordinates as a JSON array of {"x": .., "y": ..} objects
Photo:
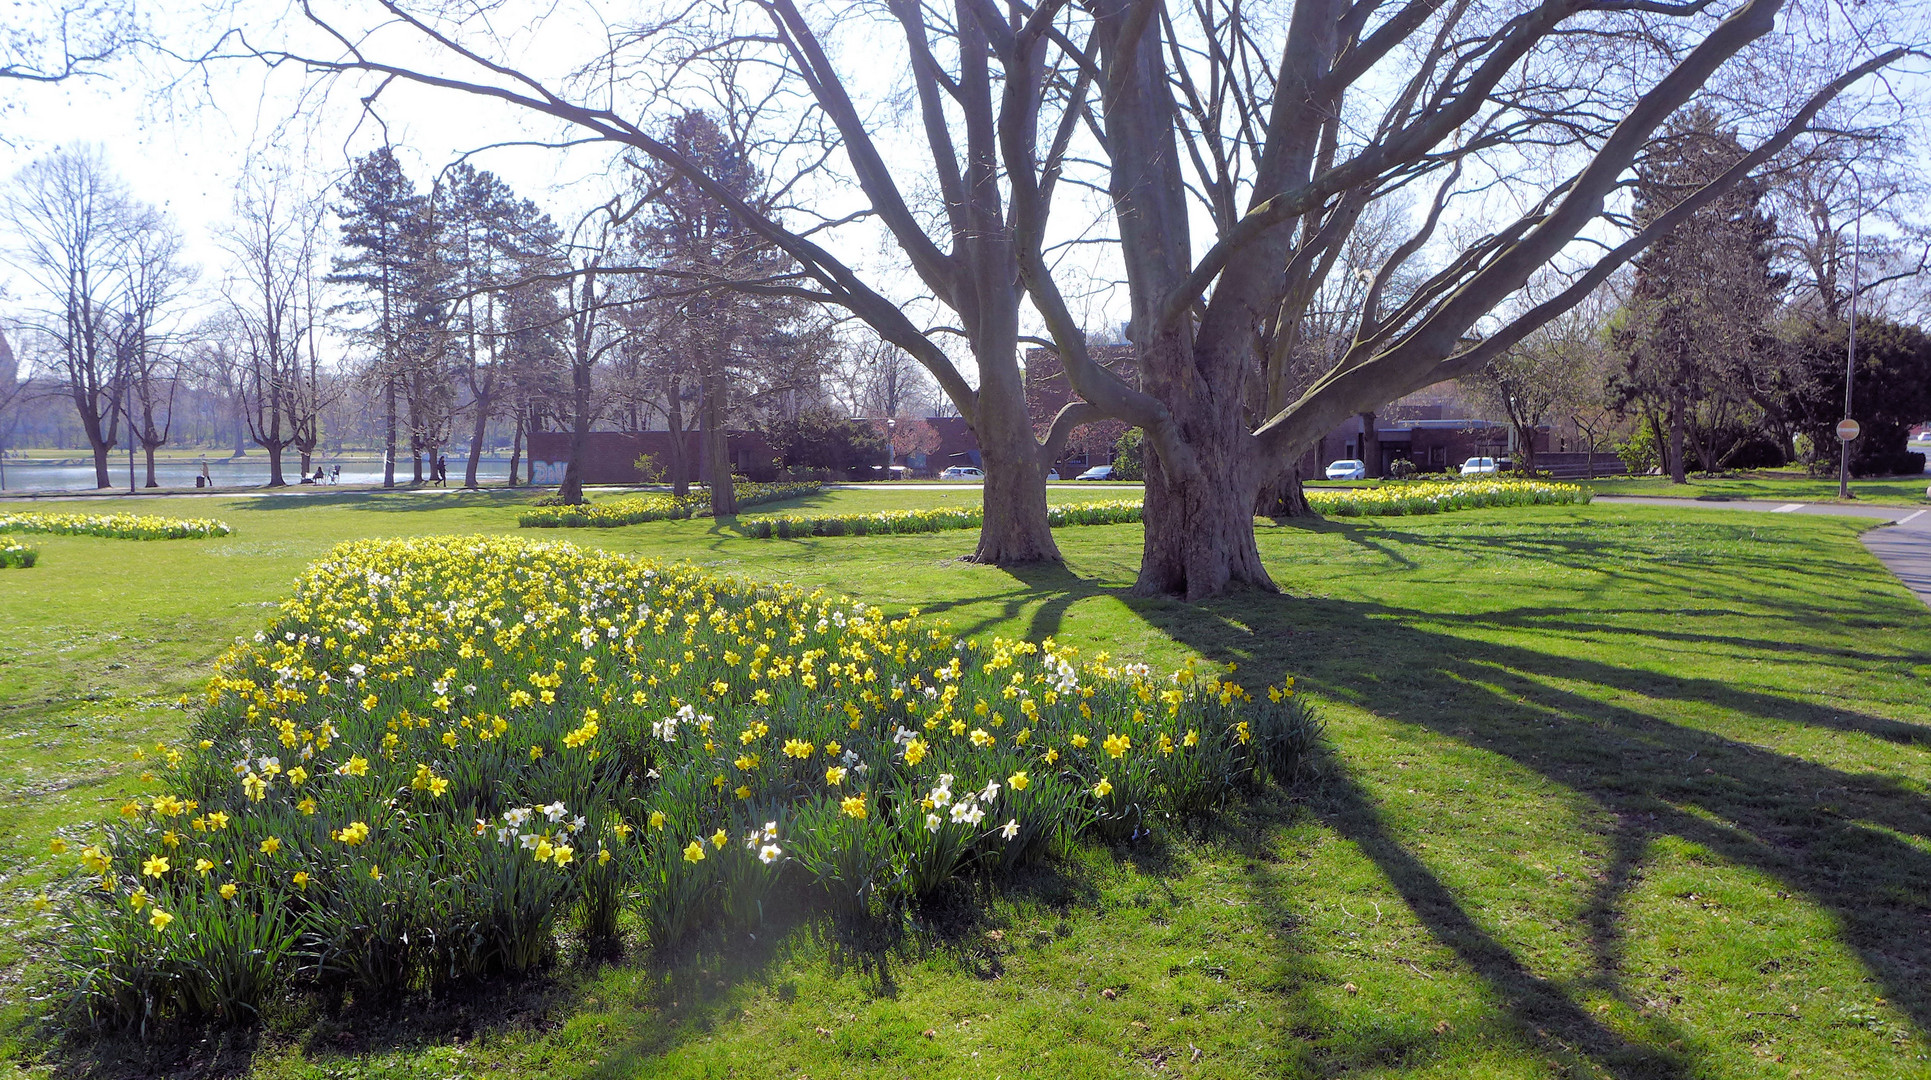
[{"x": 1904, "y": 546}]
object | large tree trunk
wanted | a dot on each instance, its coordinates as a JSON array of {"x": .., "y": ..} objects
[
  {"x": 1284, "y": 496},
  {"x": 571, "y": 490},
  {"x": 275, "y": 478},
  {"x": 1676, "y": 463},
  {"x": 389, "y": 432},
  {"x": 516, "y": 448},
  {"x": 1015, "y": 528},
  {"x": 1200, "y": 522},
  {"x": 148, "y": 451},
  {"x": 476, "y": 444},
  {"x": 679, "y": 453},
  {"x": 1370, "y": 447},
  {"x": 715, "y": 441}
]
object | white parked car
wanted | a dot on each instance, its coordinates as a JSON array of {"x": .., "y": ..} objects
[
  {"x": 1478, "y": 466},
  {"x": 1347, "y": 469},
  {"x": 1097, "y": 472},
  {"x": 962, "y": 472}
]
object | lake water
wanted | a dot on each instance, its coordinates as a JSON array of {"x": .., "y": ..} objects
[{"x": 249, "y": 472}]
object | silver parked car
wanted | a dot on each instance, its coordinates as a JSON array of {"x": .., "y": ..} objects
[{"x": 1348, "y": 469}]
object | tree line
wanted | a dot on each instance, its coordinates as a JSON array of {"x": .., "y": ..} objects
[
  {"x": 1237, "y": 153},
  {"x": 453, "y": 316}
]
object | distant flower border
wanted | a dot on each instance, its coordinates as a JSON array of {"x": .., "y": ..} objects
[
  {"x": 1391, "y": 500},
  {"x": 114, "y": 526},
  {"x": 639, "y": 509}
]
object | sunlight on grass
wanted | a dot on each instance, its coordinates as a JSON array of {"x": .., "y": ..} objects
[{"x": 1570, "y": 743}]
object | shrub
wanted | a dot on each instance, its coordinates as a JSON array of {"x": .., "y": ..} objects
[
  {"x": 117, "y": 526},
  {"x": 649, "y": 468},
  {"x": 1129, "y": 455},
  {"x": 637, "y": 509},
  {"x": 444, "y": 748},
  {"x": 1639, "y": 453},
  {"x": 16, "y": 555}
]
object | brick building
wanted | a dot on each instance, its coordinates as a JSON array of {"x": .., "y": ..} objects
[{"x": 1047, "y": 391}]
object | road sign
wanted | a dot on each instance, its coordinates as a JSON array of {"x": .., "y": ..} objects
[{"x": 1847, "y": 429}]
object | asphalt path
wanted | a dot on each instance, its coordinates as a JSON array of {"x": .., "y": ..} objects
[{"x": 1903, "y": 546}]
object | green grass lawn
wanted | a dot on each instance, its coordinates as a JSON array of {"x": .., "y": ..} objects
[
  {"x": 1616, "y": 791},
  {"x": 1788, "y": 484}
]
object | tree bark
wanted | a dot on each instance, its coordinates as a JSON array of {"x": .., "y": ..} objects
[
  {"x": 148, "y": 452},
  {"x": 1200, "y": 521},
  {"x": 101, "y": 479},
  {"x": 716, "y": 444},
  {"x": 275, "y": 478},
  {"x": 388, "y": 431},
  {"x": 1676, "y": 464},
  {"x": 571, "y": 490},
  {"x": 516, "y": 449},
  {"x": 1284, "y": 496},
  {"x": 476, "y": 444}
]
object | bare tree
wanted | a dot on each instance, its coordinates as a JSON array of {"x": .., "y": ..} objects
[
  {"x": 975, "y": 109},
  {"x": 55, "y": 42},
  {"x": 1280, "y": 132},
  {"x": 1553, "y": 101},
  {"x": 591, "y": 331},
  {"x": 274, "y": 239},
  {"x": 148, "y": 358},
  {"x": 72, "y": 224}
]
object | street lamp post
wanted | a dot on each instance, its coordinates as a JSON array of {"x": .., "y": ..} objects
[
  {"x": 1850, "y": 349},
  {"x": 891, "y": 450}
]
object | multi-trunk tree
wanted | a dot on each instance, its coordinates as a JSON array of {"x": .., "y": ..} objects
[{"x": 1518, "y": 125}]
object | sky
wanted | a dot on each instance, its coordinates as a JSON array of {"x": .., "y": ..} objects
[{"x": 181, "y": 136}]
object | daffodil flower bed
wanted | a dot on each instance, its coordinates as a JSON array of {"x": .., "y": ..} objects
[
  {"x": 937, "y": 519},
  {"x": 642, "y": 508},
  {"x": 16, "y": 555},
  {"x": 445, "y": 749},
  {"x": 119, "y": 526},
  {"x": 1438, "y": 498}
]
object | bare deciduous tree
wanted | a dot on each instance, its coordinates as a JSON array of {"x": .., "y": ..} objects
[{"x": 274, "y": 239}]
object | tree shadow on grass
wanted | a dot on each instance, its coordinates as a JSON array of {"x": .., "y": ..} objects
[{"x": 1755, "y": 807}]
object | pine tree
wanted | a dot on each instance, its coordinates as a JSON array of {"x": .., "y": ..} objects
[
  {"x": 384, "y": 231},
  {"x": 1698, "y": 319}
]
